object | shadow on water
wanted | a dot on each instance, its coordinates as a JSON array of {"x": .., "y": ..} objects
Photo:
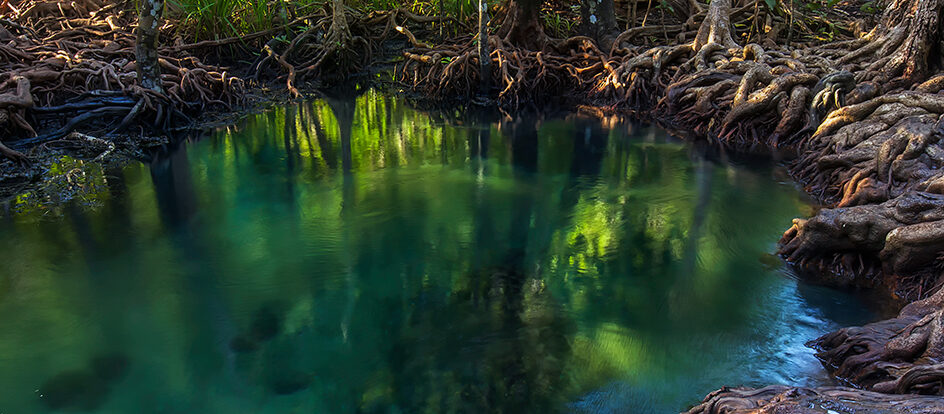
[
  {"x": 86, "y": 389},
  {"x": 355, "y": 255}
]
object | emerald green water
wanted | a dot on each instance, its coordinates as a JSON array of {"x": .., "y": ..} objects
[{"x": 398, "y": 262}]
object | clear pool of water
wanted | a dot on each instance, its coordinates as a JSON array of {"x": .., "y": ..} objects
[{"x": 360, "y": 256}]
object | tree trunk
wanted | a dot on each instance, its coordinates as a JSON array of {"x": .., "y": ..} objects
[
  {"x": 598, "y": 22},
  {"x": 904, "y": 48},
  {"x": 442, "y": 15},
  {"x": 522, "y": 26},
  {"x": 716, "y": 28},
  {"x": 484, "y": 58},
  {"x": 920, "y": 50},
  {"x": 145, "y": 48},
  {"x": 340, "y": 33}
]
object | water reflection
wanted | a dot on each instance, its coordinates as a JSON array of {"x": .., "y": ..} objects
[{"x": 355, "y": 255}]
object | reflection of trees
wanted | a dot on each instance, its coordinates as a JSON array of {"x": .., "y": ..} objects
[
  {"x": 430, "y": 290},
  {"x": 193, "y": 252},
  {"x": 324, "y": 145},
  {"x": 507, "y": 350},
  {"x": 173, "y": 188},
  {"x": 511, "y": 346},
  {"x": 343, "y": 108},
  {"x": 292, "y": 153}
]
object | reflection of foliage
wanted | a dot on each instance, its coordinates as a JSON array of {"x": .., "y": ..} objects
[
  {"x": 67, "y": 180},
  {"x": 397, "y": 284}
]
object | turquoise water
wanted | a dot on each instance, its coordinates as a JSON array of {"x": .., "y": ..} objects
[{"x": 360, "y": 256}]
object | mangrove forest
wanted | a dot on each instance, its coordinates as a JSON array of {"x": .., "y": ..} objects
[{"x": 472, "y": 206}]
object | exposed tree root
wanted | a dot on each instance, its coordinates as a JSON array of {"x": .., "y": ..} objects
[
  {"x": 900, "y": 355},
  {"x": 68, "y": 66},
  {"x": 899, "y": 50},
  {"x": 886, "y": 148},
  {"x": 797, "y": 400},
  {"x": 59, "y": 80},
  {"x": 520, "y": 75},
  {"x": 905, "y": 233},
  {"x": 522, "y": 27}
]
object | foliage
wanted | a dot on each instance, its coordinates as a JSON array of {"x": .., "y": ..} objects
[
  {"x": 66, "y": 180},
  {"x": 216, "y": 19},
  {"x": 558, "y": 26},
  {"x": 822, "y": 20}
]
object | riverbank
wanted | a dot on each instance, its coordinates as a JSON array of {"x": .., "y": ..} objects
[{"x": 862, "y": 116}]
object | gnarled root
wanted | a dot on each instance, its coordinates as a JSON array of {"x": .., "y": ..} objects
[
  {"x": 891, "y": 140},
  {"x": 798, "y": 400},
  {"x": 885, "y": 148},
  {"x": 899, "y": 49},
  {"x": 521, "y": 75},
  {"x": 899, "y": 355},
  {"x": 340, "y": 44},
  {"x": 903, "y": 232},
  {"x": 84, "y": 77},
  {"x": 12, "y": 105}
]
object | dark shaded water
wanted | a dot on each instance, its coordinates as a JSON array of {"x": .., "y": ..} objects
[{"x": 513, "y": 266}]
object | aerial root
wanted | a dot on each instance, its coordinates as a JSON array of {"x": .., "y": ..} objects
[{"x": 55, "y": 78}]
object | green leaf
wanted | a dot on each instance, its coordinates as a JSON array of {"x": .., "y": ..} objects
[{"x": 771, "y": 4}]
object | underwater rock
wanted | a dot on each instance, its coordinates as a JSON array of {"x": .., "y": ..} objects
[
  {"x": 266, "y": 323},
  {"x": 289, "y": 382},
  {"x": 74, "y": 390},
  {"x": 110, "y": 367},
  {"x": 243, "y": 344}
]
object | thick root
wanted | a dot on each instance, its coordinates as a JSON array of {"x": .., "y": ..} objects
[
  {"x": 797, "y": 400},
  {"x": 899, "y": 355},
  {"x": 85, "y": 77},
  {"x": 904, "y": 233}
]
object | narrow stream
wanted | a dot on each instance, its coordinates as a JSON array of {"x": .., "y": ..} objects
[{"x": 398, "y": 262}]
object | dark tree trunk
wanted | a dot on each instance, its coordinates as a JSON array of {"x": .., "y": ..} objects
[
  {"x": 598, "y": 22},
  {"x": 920, "y": 51},
  {"x": 145, "y": 48},
  {"x": 341, "y": 33},
  {"x": 905, "y": 47},
  {"x": 522, "y": 26},
  {"x": 484, "y": 59}
]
